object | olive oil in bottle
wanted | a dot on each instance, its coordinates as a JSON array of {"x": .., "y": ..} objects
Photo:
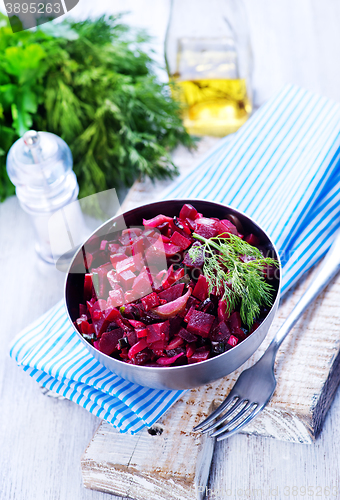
[
  {"x": 208, "y": 60},
  {"x": 213, "y": 106}
]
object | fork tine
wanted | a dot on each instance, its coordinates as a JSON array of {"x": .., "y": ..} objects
[
  {"x": 224, "y": 417},
  {"x": 226, "y": 434},
  {"x": 231, "y": 422},
  {"x": 217, "y": 412}
]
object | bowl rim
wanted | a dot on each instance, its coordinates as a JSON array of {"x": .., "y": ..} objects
[{"x": 165, "y": 369}]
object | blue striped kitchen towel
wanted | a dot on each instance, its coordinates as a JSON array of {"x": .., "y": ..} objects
[
  {"x": 51, "y": 353},
  {"x": 281, "y": 168}
]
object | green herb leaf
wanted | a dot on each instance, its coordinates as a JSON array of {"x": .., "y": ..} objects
[
  {"x": 235, "y": 268},
  {"x": 92, "y": 83}
]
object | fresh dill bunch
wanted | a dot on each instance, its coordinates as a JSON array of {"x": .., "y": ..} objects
[{"x": 238, "y": 278}]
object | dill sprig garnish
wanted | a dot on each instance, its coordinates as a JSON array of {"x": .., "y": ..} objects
[{"x": 235, "y": 268}]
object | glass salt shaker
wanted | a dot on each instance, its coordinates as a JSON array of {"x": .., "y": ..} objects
[{"x": 40, "y": 166}]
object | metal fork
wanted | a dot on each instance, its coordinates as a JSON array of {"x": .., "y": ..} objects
[{"x": 256, "y": 385}]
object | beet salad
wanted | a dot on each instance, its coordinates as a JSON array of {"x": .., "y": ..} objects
[{"x": 178, "y": 290}]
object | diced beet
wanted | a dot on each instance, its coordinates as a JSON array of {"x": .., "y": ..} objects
[
  {"x": 175, "y": 325},
  {"x": 113, "y": 247},
  {"x": 138, "y": 246},
  {"x": 114, "y": 258},
  {"x": 126, "y": 249},
  {"x": 252, "y": 239},
  {"x": 83, "y": 310},
  {"x": 189, "y": 313},
  {"x": 198, "y": 215},
  {"x": 155, "y": 254},
  {"x": 127, "y": 278},
  {"x": 136, "y": 324},
  {"x": 87, "y": 286},
  {"x": 170, "y": 249},
  {"x": 131, "y": 296},
  {"x": 173, "y": 308},
  {"x": 141, "y": 332},
  {"x": 126, "y": 265},
  {"x": 113, "y": 279},
  {"x": 100, "y": 281},
  {"x": 96, "y": 315},
  {"x": 139, "y": 261},
  {"x": 232, "y": 341},
  {"x": 199, "y": 260},
  {"x": 111, "y": 314},
  {"x": 222, "y": 310},
  {"x": 156, "y": 221},
  {"x": 201, "y": 290},
  {"x": 129, "y": 235},
  {"x": 172, "y": 293},
  {"x": 179, "y": 274},
  {"x": 191, "y": 224},
  {"x": 124, "y": 324},
  {"x": 185, "y": 228},
  {"x": 242, "y": 333},
  {"x": 116, "y": 298},
  {"x": 200, "y": 323},
  {"x": 109, "y": 340},
  {"x": 221, "y": 333},
  {"x": 159, "y": 345},
  {"x": 208, "y": 228},
  {"x": 225, "y": 226},
  {"x": 189, "y": 337},
  {"x": 201, "y": 354},
  {"x": 138, "y": 347},
  {"x": 181, "y": 241},
  {"x": 190, "y": 349},
  {"x": 150, "y": 301},
  {"x": 255, "y": 325},
  {"x": 123, "y": 353},
  {"x": 132, "y": 337},
  {"x": 169, "y": 278},
  {"x": 142, "y": 284},
  {"x": 161, "y": 275},
  {"x": 188, "y": 211},
  {"x": 158, "y": 331},
  {"x": 175, "y": 342},
  {"x": 164, "y": 229},
  {"x": 236, "y": 324},
  {"x": 136, "y": 231},
  {"x": 165, "y": 239},
  {"x": 103, "y": 245},
  {"x": 99, "y": 305},
  {"x": 164, "y": 361},
  {"x": 88, "y": 259}
]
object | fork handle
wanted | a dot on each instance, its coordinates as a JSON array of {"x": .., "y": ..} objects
[{"x": 329, "y": 268}]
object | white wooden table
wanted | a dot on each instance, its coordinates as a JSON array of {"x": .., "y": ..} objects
[{"x": 42, "y": 439}]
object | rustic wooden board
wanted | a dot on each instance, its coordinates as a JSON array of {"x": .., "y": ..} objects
[{"x": 164, "y": 464}]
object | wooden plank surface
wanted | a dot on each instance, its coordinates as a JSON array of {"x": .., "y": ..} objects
[
  {"x": 308, "y": 374},
  {"x": 307, "y": 370}
]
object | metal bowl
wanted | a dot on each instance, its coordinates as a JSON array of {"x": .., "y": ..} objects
[{"x": 176, "y": 377}]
